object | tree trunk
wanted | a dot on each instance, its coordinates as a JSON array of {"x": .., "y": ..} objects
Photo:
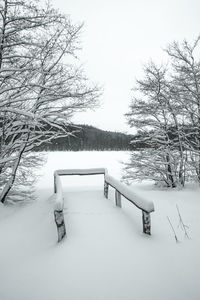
[
  {"x": 11, "y": 181},
  {"x": 4, "y": 14},
  {"x": 169, "y": 173}
]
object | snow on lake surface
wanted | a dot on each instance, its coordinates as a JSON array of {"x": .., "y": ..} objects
[{"x": 105, "y": 255}]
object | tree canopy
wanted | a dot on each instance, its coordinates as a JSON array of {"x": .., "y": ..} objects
[{"x": 42, "y": 85}]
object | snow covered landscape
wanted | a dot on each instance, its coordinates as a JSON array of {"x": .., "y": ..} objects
[
  {"x": 105, "y": 254},
  {"x": 99, "y": 150}
]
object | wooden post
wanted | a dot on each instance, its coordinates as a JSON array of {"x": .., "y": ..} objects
[
  {"x": 106, "y": 186},
  {"x": 146, "y": 220},
  {"x": 118, "y": 198},
  {"x": 60, "y": 223},
  {"x": 55, "y": 185}
]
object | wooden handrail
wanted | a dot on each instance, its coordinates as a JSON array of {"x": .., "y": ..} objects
[
  {"x": 59, "y": 200},
  {"x": 120, "y": 190},
  {"x": 91, "y": 171},
  {"x": 123, "y": 190},
  {"x": 128, "y": 193}
]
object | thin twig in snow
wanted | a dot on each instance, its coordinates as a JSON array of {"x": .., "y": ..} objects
[
  {"x": 181, "y": 223},
  {"x": 173, "y": 230}
]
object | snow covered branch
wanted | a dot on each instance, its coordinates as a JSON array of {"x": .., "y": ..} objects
[{"x": 39, "y": 91}]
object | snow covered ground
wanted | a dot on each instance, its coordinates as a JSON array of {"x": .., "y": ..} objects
[{"x": 105, "y": 255}]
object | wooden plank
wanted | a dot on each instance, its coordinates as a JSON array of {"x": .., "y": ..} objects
[{"x": 92, "y": 171}]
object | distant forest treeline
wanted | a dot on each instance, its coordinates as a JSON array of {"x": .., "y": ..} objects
[
  {"x": 89, "y": 138},
  {"x": 86, "y": 137}
]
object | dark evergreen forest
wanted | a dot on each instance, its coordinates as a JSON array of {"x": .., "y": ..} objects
[{"x": 87, "y": 137}]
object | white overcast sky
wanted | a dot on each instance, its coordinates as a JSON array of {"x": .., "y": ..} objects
[{"x": 118, "y": 37}]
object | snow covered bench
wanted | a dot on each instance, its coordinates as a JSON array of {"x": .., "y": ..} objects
[{"x": 123, "y": 190}]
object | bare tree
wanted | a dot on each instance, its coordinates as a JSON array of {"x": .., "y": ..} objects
[
  {"x": 186, "y": 82},
  {"x": 153, "y": 113},
  {"x": 166, "y": 111},
  {"x": 41, "y": 84}
]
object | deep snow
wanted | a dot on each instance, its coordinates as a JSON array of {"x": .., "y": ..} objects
[{"x": 105, "y": 255}]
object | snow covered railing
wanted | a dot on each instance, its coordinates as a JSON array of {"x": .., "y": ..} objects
[
  {"x": 91, "y": 171},
  {"x": 123, "y": 190},
  {"x": 58, "y": 208},
  {"x": 59, "y": 201},
  {"x": 120, "y": 190}
]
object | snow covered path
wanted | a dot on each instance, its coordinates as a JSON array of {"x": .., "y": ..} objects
[{"x": 105, "y": 255}]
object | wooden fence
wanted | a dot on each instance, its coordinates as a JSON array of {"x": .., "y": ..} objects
[
  {"x": 123, "y": 190},
  {"x": 120, "y": 190}
]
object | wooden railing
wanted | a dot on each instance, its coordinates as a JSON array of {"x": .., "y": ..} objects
[
  {"x": 123, "y": 190},
  {"x": 120, "y": 190},
  {"x": 59, "y": 201}
]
